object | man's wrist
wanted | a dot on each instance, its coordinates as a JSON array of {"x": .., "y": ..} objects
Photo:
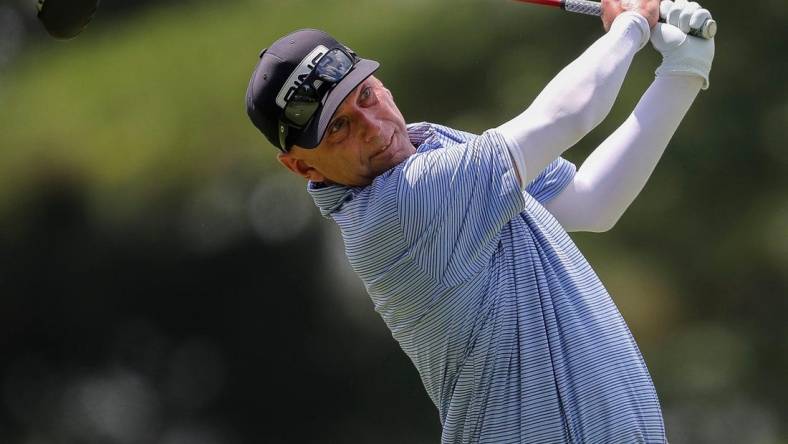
[{"x": 631, "y": 19}]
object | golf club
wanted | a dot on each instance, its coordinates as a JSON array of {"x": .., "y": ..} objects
[
  {"x": 707, "y": 31},
  {"x": 65, "y": 19}
]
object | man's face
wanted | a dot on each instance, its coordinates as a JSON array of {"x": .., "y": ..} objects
[{"x": 366, "y": 137}]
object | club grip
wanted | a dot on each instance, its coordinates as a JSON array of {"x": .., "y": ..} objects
[
  {"x": 583, "y": 7},
  {"x": 707, "y": 31}
]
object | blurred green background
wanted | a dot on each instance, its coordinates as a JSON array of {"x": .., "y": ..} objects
[{"x": 163, "y": 280}]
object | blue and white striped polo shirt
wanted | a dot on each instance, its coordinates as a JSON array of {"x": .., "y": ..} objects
[{"x": 514, "y": 336}]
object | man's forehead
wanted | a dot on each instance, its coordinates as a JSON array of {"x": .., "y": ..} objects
[
  {"x": 349, "y": 99},
  {"x": 371, "y": 80}
]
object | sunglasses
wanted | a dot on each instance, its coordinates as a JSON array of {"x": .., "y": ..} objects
[{"x": 306, "y": 100}]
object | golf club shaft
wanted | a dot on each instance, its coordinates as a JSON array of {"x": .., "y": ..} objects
[{"x": 707, "y": 31}]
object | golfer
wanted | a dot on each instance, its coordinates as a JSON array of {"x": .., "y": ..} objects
[{"x": 461, "y": 239}]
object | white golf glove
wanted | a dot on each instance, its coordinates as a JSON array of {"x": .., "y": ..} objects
[{"x": 682, "y": 54}]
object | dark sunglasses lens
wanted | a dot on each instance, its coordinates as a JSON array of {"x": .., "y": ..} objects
[
  {"x": 300, "y": 110},
  {"x": 334, "y": 66}
]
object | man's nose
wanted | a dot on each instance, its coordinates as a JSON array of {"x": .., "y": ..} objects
[{"x": 370, "y": 125}]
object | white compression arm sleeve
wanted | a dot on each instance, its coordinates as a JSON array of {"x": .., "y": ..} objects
[
  {"x": 616, "y": 171},
  {"x": 576, "y": 100}
]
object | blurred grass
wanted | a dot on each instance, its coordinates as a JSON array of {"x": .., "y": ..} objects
[{"x": 142, "y": 107}]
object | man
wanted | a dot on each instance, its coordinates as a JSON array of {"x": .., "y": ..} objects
[{"x": 461, "y": 240}]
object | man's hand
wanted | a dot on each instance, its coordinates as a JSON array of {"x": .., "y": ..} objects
[
  {"x": 683, "y": 55},
  {"x": 683, "y": 14},
  {"x": 613, "y": 8}
]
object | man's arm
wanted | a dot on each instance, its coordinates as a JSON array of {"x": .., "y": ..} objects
[
  {"x": 578, "y": 98},
  {"x": 615, "y": 173}
]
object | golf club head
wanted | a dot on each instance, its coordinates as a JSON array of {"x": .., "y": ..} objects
[{"x": 65, "y": 19}]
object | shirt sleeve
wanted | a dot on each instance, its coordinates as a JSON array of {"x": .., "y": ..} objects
[
  {"x": 453, "y": 203},
  {"x": 577, "y": 99},
  {"x": 613, "y": 175},
  {"x": 552, "y": 180}
]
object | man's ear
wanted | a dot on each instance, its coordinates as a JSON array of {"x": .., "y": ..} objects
[{"x": 299, "y": 167}]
